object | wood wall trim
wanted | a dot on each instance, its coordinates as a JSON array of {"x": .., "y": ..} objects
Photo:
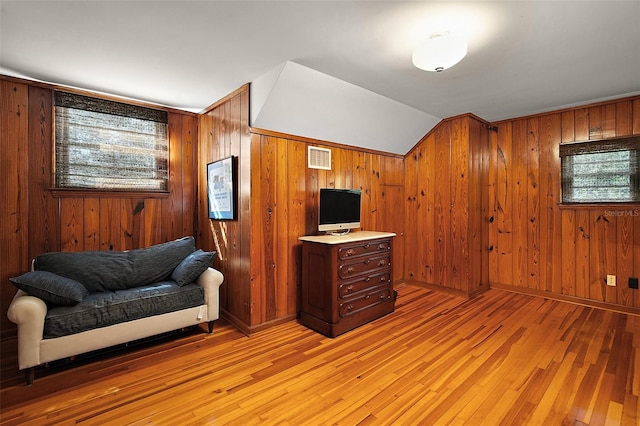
[
  {"x": 570, "y": 299},
  {"x": 454, "y": 292},
  {"x": 275, "y": 134},
  {"x": 602, "y": 206},
  {"x": 95, "y": 193}
]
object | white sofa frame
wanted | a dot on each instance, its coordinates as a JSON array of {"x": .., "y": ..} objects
[{"x": 29, "y": 312}]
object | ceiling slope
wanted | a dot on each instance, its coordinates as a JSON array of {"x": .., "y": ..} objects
[{"x": 298, "y": 100}]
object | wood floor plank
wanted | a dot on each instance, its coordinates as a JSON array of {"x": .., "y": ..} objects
[{"x": 500, "y": 358}]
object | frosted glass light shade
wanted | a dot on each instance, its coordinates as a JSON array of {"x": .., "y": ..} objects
[{"x": 439, "y": 52}]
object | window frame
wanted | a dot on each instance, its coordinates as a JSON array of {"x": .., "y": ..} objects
[{"x": 568, "y": 150}]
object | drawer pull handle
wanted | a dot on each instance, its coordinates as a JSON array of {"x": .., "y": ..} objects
[
  {"x": 382, "y": 296},
  {"x": 349, "y": 307},
  {"x": 368, "y": 261},
  {"x": 350, "y": 269},
  {"x": 349, "y": 289},
  {"x": 381, "y": 246},
  {"x": 383, "y": 279},
  {"x": 366, "y": 280},
  {"x": 381, "y": 263},
  {"x": 368, "y": 296},
  {"x": 367, "y": 245},
  {"x": 350, "y": 252}
]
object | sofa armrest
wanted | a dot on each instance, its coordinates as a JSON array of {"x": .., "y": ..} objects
[
  {"x": 28, "y": 312},
  {"x": 211, "y": 280}
]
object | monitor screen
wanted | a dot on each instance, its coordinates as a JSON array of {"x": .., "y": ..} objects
[{"x": 339, "y": 209}]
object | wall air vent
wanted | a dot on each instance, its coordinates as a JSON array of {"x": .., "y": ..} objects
[{"x": 319, "y": 158}]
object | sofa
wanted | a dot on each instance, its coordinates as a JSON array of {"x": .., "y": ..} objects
[{"x": 76, "y": 302}]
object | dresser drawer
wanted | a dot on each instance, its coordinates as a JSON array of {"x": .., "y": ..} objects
[
  {"x": 351, "y": 288},
  {"x": 363, "y": 248},
  {"x": 364, "y": 301},
  {"x": 362, "y": 266}
]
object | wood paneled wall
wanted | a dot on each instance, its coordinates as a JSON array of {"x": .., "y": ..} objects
[
  {"x": 446, "y": 230},
  {"x": 224, "y": 132},
  {"x": 260, "y": 252},
  {"x": 542, "y": 247},
  {"x": 34, "y": 221}
]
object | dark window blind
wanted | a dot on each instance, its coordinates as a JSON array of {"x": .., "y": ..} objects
[
  {"x": 108, "y": 145},
  {"x": 601, "y": 171}
]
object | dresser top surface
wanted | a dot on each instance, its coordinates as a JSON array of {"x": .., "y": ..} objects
[{"x": 347, "y": 238}]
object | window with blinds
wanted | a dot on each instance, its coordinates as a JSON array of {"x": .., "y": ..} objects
[
  {"x": 601, "y": 171},
  {"x": 107, "y": 145}
]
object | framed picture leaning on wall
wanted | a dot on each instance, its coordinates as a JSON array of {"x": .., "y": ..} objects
[{"x": 222, "y": 189}]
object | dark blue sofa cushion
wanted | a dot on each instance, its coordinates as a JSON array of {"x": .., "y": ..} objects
[
  {"x": 108, "y": 308},
  {"x": 102, "y": 271}
]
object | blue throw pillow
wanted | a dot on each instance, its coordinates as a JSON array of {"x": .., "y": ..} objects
[
  {"x": 51, "y": 288},
  {"x": 192, "y": 266}
]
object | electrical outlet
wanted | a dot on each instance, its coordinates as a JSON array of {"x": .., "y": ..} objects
[
  {"x": 611, "y": 280},
  {"x": 633, "y": 282}
]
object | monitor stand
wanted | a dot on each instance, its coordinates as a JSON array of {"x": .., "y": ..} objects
[{"x": 338, "y": 233}]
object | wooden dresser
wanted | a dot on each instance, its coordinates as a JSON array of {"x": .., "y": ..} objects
[{"x": 346, "y": 280}]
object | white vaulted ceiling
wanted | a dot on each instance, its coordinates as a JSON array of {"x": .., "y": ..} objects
[{"x": 331, "y": 70}]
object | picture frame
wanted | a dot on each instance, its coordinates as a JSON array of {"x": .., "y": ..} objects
[{"x": 222, "y": 189}]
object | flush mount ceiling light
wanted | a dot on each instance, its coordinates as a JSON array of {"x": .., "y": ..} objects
[{"x": 439, "y": 52}]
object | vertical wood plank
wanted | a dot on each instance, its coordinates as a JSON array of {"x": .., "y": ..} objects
[
  {"x": 550, "y": 219},
  {"x": 91, "y": 224},
  {"x": 14, "y": 154},
  {"x": 583, "y": 249},
  {"x": 154, "y": 232},
  {"x": 253, "y": 303},
  {"x": 242, "y": 287},
  {"x": 494, "y": 256},
  {"x": 635, "y": 117},
  {"x": 520, "y": 151},
  {"x": 391, "y": 171},
  {"x": 624, "y": 257},
  {"x": 172, "y": 205},
  {"x": 373, "y": 194},
  {"x": 602, "y": 261},
  {"x": 533, "y": 203},
  {"x": 426, "y": 214},
  {"x": 504, "y": 204},
  {"x": 296, "y": 225},
  {"x": 442, "y": 205},
  {"x": 282, "y": 231},
  {"x": 391, "y": 197},
  {"x": 459, "y": 236},
  {"x": 189, "y": 170},
  {"x": 411, "y": 213},
  {"x": 110, "y": 235},
  {"x": 581, "y": 124},
  {"x": 44, "y": 216},
  {"x": 481, "y": 172},
  {"x": 71, "y": 224},
  {"x": 568, "y": 126},
  {"x": 569, "y": 253},
  {"x": 268, "y": 162},
  {"x": 623, "y": 118}
]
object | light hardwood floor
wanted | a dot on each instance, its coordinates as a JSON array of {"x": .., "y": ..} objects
[{"x": 501, "y": 358}]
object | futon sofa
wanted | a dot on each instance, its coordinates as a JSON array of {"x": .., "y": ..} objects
[{"x": 73, "y": 303}]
